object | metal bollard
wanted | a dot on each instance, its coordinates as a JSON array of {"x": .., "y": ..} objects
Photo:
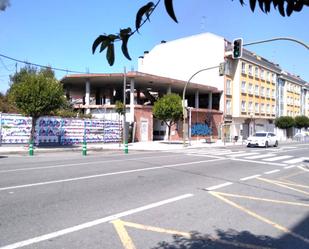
[
  {"x": 84, "y": 152},
  {"x": 31, "y": 148},
  {"x": 126, "y": 148}
]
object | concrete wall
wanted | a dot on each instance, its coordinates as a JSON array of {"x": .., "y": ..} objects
[{"x": 180, "y": 59}]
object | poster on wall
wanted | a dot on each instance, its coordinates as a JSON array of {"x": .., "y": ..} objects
[
  {"x": 69, "y": 131},
  {"x": 15, "y": 129}
]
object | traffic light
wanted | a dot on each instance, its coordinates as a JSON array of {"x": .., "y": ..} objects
[{"x": 237, "y": 48}]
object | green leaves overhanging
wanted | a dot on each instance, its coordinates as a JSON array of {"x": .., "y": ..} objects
[
  {"x": 170, "y": 9},
  {"x": 145, "y": 10}
]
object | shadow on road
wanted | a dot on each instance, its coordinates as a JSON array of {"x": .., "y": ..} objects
[{"x": 232, "y": 239}]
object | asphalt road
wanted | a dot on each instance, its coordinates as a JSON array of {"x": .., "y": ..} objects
[{"x": 189, "y": 199}]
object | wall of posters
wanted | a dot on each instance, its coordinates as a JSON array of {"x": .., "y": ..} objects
[{"x": 16, "y": 129}]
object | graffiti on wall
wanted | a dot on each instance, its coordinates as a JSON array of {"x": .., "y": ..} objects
[{"x": 200, "y": 129}]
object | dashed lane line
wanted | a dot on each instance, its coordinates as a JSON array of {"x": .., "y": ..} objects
[
  {"x": 272, "y": 172},
  {"x": 289, "y": 167},
  {"x": 249, "y": 177},
  {"x": 219, "y": 186}
]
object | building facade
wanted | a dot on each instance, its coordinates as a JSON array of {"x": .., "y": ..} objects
[
  {"x": 255, "y": 90},
  {"x": 98, "y": 93},
  {"x": 250, "y": 95}
]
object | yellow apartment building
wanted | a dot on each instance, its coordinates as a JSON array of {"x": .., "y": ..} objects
[
  {"x": 250, "y": 95},
  {"x": 292, "y": 95}
]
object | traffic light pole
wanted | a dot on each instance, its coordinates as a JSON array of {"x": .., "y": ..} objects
[{"x": 277, "y": 39}]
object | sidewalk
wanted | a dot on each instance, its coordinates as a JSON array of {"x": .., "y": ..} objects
[{"x": 138, "y": 146}]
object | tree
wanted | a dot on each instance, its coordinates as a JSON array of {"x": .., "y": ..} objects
[
  {"x": 301, "y": 122},
  {"x": 285, "y": 123},
  {"x": 5, "y": 106},
  {"x": 36, "y": 93},
  {"x": 285, "y": 8},
  {"x": 168, "y": 109}
]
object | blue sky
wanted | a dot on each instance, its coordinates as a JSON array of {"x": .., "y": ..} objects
[{"x": 60, "y": 33}]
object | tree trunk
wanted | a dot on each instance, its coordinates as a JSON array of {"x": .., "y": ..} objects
[{"x": 32, "y": 133}]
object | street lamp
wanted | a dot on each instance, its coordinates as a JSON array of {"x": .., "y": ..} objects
[
  {"x": 252, "y": 124},
  {"x": 184, "y": 111}
]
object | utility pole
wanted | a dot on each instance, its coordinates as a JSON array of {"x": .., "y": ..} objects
[{"x": 124, "y": 106}]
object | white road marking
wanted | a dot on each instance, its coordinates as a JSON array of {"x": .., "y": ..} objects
[
  {"x": 244, "y": 154},
  {"x": 260, "y": 156},
  {"x": 289, "y": 167},
  {"x": 93, "y": 223},
  {"x": 296, "y": 160},
  {"x": 302, "y": 168},
  {"x": 277, "y": 158},
  {"x": 272, "y": 171},
  {"x": 257, "y": 162},
  {"x": 107, "y": 174},
  {"x": 222, "y": 153},
  {"x": 77, "y": 164},
  {"x": 217, "y": 186},
  {"x": 249, "y": 177}
]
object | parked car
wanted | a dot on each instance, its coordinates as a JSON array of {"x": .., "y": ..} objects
[
  {"x": 301, "y": 136},
  {"x": 263, "y": 139}
]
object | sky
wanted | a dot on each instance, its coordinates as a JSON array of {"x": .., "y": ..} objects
[{"x": 60, "y": 33}]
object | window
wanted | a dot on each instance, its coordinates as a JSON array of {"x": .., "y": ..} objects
[
  {"x": 263, "y": 91},
  {"x": 262, "y": 74},
  {"x": 243, "y": 87},
  {"x": 273, "y": 94},
  {"x": 268, "y": 108},
  {"x": 243, "y": 68},
  {"x": 273, "y": 107},
  {"x": 228, "y": 107},
  {"x": 250, "y": 70},
  {"x": 256, "y": 72},
  {"x": 243, "y": 106},
  {"x": 250, "y": 107},
  {"x": 256, "y": 90},
  {"x": 268, "y": 92},
  {"x": 250, "y": 88},
  {"x": 268, "y": 76},
  {"x": 228, "y": 87},
  {"x": 274, "y": 78},
  {"x": 263, "y": 108},
  {"x": 257, "y": 107}
]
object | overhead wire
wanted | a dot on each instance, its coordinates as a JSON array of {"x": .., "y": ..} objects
[{"x": 39, "y": 65}]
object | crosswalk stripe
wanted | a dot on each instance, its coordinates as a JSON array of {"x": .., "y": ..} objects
[
  {"x": 296, "y": 160},
  {"x": 230, "y": 152},
  {"x": 272, "y": 159},
  {"x": 244, "y": 154},
  {"x": 260, "y": 156}
]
